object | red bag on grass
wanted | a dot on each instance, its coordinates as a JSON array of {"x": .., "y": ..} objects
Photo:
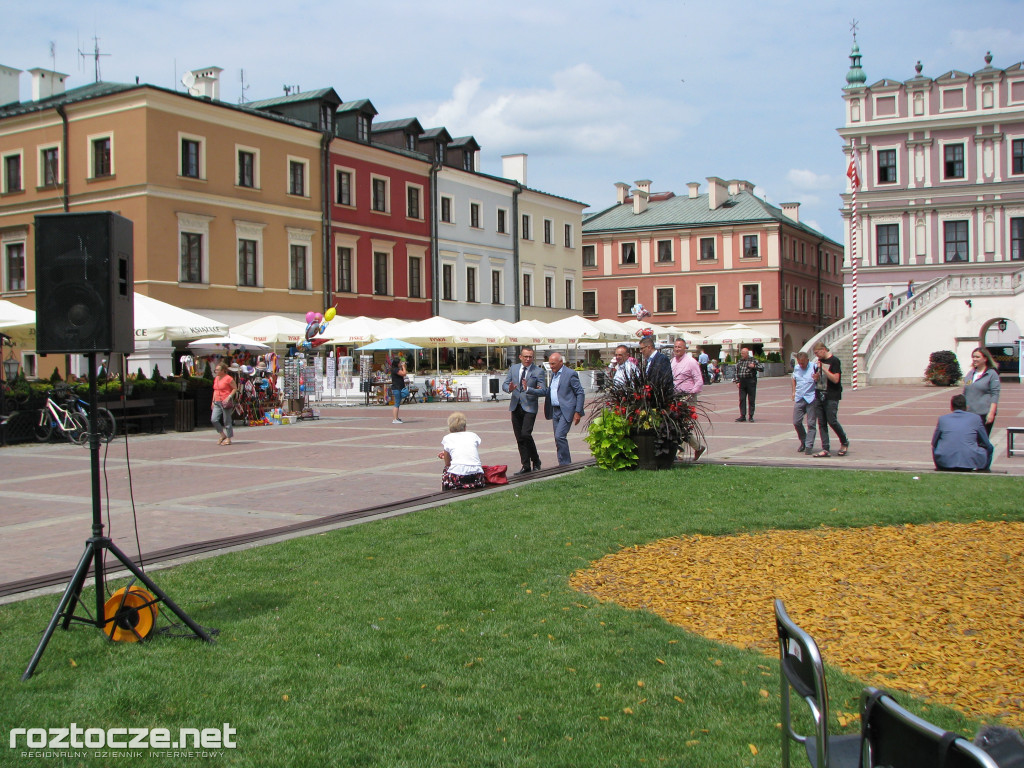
[{"x": 496, "y": 475}]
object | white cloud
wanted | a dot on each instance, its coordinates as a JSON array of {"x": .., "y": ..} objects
[{"x": 802, "y": 179}]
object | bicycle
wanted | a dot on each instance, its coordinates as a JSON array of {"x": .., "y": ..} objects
[
  {"x": 104, "y": 423},
  {"x": 55, "y": 418}
]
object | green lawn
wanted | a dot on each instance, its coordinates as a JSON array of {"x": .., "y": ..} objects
[{"x": 450, "y": 637}]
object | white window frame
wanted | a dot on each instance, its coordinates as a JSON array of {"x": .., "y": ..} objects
[
  {"x": 549, "y": 280},
  {"x": 760, "y": 297},
  {"x": 1010, "y": 138},
  {"x": 570, "y": 291},
  {"x": 419, "y": 256},
  {"x": 20, "y": 154},
  {"x": 89, "y": 141},
  {"x": 527, "y": 234},
  {"x": 654, "y": 305},
  {"x": 549, "y": 231},
  {"x": 304, "y": 162},
  {"x": 743, "y": 247},
  {"x": 250, "y": 230},
  {"x": 874, "y": 167},
  {"x": 255, "y": 152},
  {"x": 714, "y": 249},
  {"x": 943, "y": 90},
  {"x": 14, "y": 237},
  {"x": 303, "y": 237},
  {"x": 41, "y": 170},
  {"x": 671, "y": 250},
  {"x": 636, "y": 254},
  {"x": 527, "y": 275},
  {"x": 636, "y": 298},
  {"x": 351, "y": 242},
  {"x": 338, "y": 169},
  {"x": 473, "y": 278},
  {"x": 568, "y": 236},
  {"x": 454, "y": 295},
  {"x": 201, "y": 140},
  {"x": 501, "y": 287},
  {"x": 197, "y": 224},
  {"x": 718, "y": 304},
  {"x": 583, "y": 255},
  {"x": 583, "y": 306},
  {"x": 419, "y": 188}
]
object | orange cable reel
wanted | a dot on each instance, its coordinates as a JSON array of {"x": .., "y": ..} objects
[{"x": 129, "y": 615}]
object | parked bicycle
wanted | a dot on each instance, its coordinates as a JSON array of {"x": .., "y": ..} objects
[{"x": 73, "y": 421}]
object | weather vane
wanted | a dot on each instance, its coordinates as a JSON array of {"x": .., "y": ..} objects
[{"x": 853, "y": 28}]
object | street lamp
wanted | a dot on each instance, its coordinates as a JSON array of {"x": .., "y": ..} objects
[{"x": 1001, "y": 325}]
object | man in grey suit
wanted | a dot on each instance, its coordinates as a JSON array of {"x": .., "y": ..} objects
[
  {"x": 524, "y": 382},
  {"x": 960, "y": 443},
  {"x": 563, "y": 404}
]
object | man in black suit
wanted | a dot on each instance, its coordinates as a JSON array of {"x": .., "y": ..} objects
[
  {"x": 524, "y": 382},
  {"x": 657, "y": 366}
]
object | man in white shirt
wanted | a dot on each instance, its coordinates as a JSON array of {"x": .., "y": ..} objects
[
  {"x": 623, "y": 367},
  {"x": 803, "y": 403}
]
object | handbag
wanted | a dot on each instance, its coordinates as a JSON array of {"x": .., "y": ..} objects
[{"x": 496, "y": 474}]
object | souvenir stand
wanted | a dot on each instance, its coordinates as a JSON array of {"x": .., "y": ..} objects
[{"x": 300, "y": 381}]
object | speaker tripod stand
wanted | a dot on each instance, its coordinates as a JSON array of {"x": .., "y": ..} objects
[{"x": 95, "y": 548}]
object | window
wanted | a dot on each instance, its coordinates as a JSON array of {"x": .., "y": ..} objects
[
  {"x": 502, "y": 221},
  {"x": 467, "y": 161},
  {"x": 549, "y": 286},
  {"x": 665, "y": 299},
  {"x": 12, "y": 174},
  {"x": 589, "y": 256},
  {"x": 297, "y": 267},
  {"x": 446, "y": 281},
  {"x": 246, "y": 168},
  {"x": 568, "y": 235},
  {"x": 887, "y": 166},
  {"x": 803, "y": 253},
  {"x": 708, "y": 298},
  {"x": 380, "y": 195},
  {"x": 415, "y": 279},
  {"x": 410, "y": 142},
  {"x": 446, "y": 209},
  {"x": 191, "y": 158},
  {"x": 101, "y": 162},
  {"x": 439, "y": 154},
  {"x": 752, "y": 296},
  {"x": 14, "y": 267},
  {"x": 1018, "y": 156},
  {"x": 471, "y": 284},
  {"x": 707, "y": 248},
  {"x": 495, "y": 287},
  {"x": 344, "y": 269},
  {"x": 1017, "y": 239},
  {"x": 526, "y": 227},
  {"x": 50, "y": 168},
  {"x": 664, "y": 251},
  {"x": 343, "y": 187},
  {"x": 380, "y": 274},
  {"x": 750, "y": 246},
  {"x": 412, "y": 195},
  {"x": 628, "y": 253},
  {"x": 191, "y": 257},
  {"x": 627, "y": 298},
  {"x": 955, "y": 237},
  {"x": 474, "y": 215},
  {"x": 953, "y": 157},
  {"x": 363, "y": 128},
  {"x": 590, "y": 302},
  {"x": 549, "y": 237},
  {"x": 297, "y": 177},
  {"x": 248, "y": 266},
  {"x": 887, "y": 243},
  {"x": 527, "y": 298},
  {"x": 568, "y": 293}
]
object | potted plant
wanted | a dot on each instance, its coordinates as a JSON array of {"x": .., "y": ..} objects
[{"x": 943, "y": 369}]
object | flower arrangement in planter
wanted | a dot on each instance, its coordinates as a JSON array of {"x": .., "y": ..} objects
[
  {"x": 943, "y": 369},
  {"x": 637, "y": 415}
]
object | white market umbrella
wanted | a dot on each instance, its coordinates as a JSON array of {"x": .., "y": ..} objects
[
  {"x": 157, "y": 320},
  {"x": 223, "y": 345},
  {"x": 434, "y": 332},
  {"x": 388, "y": 345},
  {"x": 12, "y": 315},
  {"x": 357, "y": 330},
  {"x": 273, "y": 329},
  {"x": 738, "y": 333},
  {"x": 582, "y": 329}
]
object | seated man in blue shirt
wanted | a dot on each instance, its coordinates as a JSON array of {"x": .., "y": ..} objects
[{"x": 960, "y": 443}]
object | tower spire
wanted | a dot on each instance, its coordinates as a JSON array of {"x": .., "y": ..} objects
[{"x": 855, "y": 78}]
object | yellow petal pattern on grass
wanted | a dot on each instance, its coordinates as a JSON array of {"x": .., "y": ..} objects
[{"x": 930, "y": 609}]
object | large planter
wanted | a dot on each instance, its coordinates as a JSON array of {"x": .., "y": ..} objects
[{"x": 647, "y": 458}]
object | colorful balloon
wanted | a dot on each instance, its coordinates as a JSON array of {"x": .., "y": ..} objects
[
  {"x": 312, "y": 329},
  {"x": 310, "y": 316},
  {"x": 318, "y": 317},
  {"x": 330, "y": 314}
]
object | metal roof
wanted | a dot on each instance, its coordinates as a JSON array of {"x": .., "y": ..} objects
[{"x": 294, "y": 98}]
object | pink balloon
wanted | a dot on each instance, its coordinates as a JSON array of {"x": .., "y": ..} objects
[
  {"x": 318, "y": 317},
  {"x": 310, "y": 316}
]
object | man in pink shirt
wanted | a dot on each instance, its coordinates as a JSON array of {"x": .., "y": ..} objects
[{"x": 688, "y": 381}]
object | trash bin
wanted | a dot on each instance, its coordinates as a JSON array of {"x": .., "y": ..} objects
[{"x": 184, "y": 415}]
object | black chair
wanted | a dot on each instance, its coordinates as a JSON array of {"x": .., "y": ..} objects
[
  {"x": 895, "y": 738},
  {"x": 802, "y": 671}
]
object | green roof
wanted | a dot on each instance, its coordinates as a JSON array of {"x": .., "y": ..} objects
[{"x": 294, "y": 98}]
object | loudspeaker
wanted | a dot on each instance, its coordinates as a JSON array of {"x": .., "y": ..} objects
[{"x": 85, "y": 288}]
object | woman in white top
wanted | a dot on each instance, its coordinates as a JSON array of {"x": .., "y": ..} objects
[{"x": 462, "y": 468}]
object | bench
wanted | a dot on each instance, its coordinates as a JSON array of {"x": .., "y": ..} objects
[
  {"x": 1011, "y": 433},
  {"x": 136, "y": 413}
]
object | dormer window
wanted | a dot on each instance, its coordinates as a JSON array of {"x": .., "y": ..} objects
[
  {"x": 467, "y": 161},
  {"x": 439, "y": 155},
  {"x": 363, "y": 129},
  {"x": 410, "y": 142}
]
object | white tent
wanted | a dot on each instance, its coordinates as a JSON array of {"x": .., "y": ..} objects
[
  {"x": 159, "y": 321},
  {"x": 435, "y": 331},
  {"x": 223, "y": 345},
  {"x": 12, "y": 315},
  {"x": 357, "y": 330},
  {"x": 273, "y": 330},
  {"x": 737, "y": 334}
]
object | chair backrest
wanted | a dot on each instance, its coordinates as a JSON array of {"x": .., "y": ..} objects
[
  {"x": 802, "y": 671},
  {"x": 895, "y": 738}
]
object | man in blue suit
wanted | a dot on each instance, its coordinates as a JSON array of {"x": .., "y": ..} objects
[
  {"x": 563, "y": 404},
  {"x": 524, "y": 382},
  {"x": 960, "y": 443},
  {"x": 658, "y": 367}
]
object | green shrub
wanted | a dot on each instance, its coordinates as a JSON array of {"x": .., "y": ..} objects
[
  {"x": 608, "y": 437},
  {"x": 55, "y": 376}
]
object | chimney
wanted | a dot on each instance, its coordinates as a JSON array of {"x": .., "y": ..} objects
[
  {"x": 718, "y": 192},
  {"x": 46, "y": 83},
  {"x": 739, "y": 185},
  {"x": 621, "y": 191},
  {"x": 640, "y": 201},
  {"x": 694, "y": 187},
  {"x": 208, "y": 82},
  {"x": 514, "y": 167},
  {"x": 792, "y": 210},
  {"x": 644, "y": 185},
  {"x": 9, "y": 85}
]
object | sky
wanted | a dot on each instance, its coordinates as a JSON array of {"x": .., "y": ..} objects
[{"x": 593, "y": 92}]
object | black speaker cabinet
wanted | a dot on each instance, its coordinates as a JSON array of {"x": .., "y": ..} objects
[{"x": 85, "y": 289}]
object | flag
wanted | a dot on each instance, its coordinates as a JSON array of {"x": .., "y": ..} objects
[{"x": 853, "y": 170}]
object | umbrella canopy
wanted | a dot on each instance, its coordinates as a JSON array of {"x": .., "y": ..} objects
[
  {"x": 387, "y": 345},
  {"x": 738, "y": 333},
  {"x": 579, "y": 328},
  {"x": 13, "y": 315},
  {"x": 487, "y": 332},
  {"x": 434, "y": 331},
  {"x": 159, "y": 321},
  {"x": 357, "y": 330},
  {"x": 273, "y": 329},
  {"x": 221, "y": 345}
]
